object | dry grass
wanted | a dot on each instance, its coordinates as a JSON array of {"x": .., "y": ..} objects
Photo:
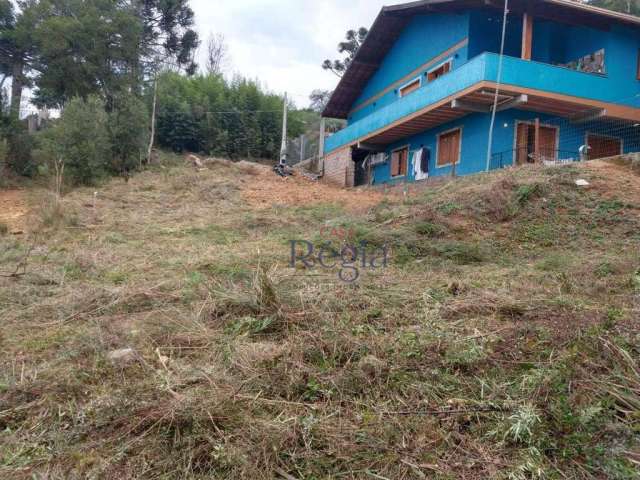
[{"x": 501, "y": 341}]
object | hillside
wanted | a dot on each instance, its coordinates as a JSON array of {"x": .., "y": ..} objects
[{"x": 154, "y": 329}]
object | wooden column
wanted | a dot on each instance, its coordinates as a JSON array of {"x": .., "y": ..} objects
[
  {"x": 537, "y": 141},
  {"x": 527, "y": 36}
]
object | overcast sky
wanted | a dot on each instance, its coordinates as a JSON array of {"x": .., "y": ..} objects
[{"x": 282, "y": 43}]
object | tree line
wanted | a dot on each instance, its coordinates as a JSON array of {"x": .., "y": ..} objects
[
  {"x": 228, "y": 118},
  {"x": 103, "y": 64}
]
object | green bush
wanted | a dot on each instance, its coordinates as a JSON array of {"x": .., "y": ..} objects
[
  {"x": 19, "y": 148},
  {"x": 128, "y": 132},
  {"x": 80, "y": 140},
  {"x": 3, "y": 160}
]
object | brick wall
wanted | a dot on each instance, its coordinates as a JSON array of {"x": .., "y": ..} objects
[{"x": 339, "y": 168}]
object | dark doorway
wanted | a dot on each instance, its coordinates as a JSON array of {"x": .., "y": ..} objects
[
  {"x": 526, "y": 143},
  {"x": 361, "y": 174}
]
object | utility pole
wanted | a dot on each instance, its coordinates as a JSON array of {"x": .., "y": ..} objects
[
  {"x": 153, "y": 115},
  {"x": 302, "y": 148},
  {"x": 283, "y": 148}
]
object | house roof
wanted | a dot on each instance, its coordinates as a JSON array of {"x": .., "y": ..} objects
[{"x": 393, "y": 19}]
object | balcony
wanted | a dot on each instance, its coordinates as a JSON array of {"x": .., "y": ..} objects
[{"x": 547, "y": 88}]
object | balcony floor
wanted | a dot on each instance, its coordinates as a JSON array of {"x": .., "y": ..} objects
[{"x": 483, "y": 95}]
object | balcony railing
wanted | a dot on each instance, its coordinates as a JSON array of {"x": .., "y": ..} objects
[{"x": 516, "y": 72}]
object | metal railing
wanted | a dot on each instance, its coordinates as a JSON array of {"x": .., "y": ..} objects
[{"x": 524, "y": 155}]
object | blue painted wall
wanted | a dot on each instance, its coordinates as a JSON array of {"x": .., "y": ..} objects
[
  {"x": 475, "y": 134},
  {"x": 522, "y": 73},
  {"x": 474, "y": 141},
  {"x": 485, "y": 33},
  {"x": 426, "y": 37}
]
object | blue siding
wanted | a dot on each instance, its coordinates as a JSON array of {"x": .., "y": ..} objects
[
  {"x": 485, "y": 33},
  {"x": 474, "y": 142},
  {"x": 516, "y": 72},
  {"x": 426, "y": 37},
  {"x": 475, "y": 130}
]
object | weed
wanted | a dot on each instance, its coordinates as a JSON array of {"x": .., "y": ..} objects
[
  {"x": 523, "y": 424},
  {"x": 460, "y": 252},
  {"x": 555, "y": 262},
  {"x": 54, "y": 214},
  {"x": 609, "y": 206},
  {"x": 525, "y": 193},
  {"x": 251, "y": 326},
  {"x": 542, "y": 235},
  {"x": 429, "y": 229},
  {"x": 4, "y": 229},
  {"x": 449, "y": 208},
  {"x": 465, "y": 354}
]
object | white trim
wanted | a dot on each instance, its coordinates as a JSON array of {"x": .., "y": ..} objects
[
  {"x": 440, "y": 65},
  {"x": 451, "y": 130},
  {"x": 408, "y": 149},
  {"x": 418, "y": 79}
]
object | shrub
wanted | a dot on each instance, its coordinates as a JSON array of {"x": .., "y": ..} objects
[
  {"x": 3, "y": 160},
  {"x": 429, "y": 229},
  {"x": 128, "y": 132},
  {"x": 79, "y": 140},
  {"x": 19, "y": 146},
  {"x": 525, "y": 193}
]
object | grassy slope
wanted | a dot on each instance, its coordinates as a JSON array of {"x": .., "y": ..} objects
[{"x": 501, "y": 342}]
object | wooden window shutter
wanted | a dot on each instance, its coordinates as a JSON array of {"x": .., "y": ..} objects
[
  {"x": 443, "y": 150},
  {"x": 395, "y": 164},
  {"x": 449, "y": 148},
  {"x": 404, "y": 160}
]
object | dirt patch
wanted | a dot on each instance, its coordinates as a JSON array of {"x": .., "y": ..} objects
[
  {"x": 13, "y": 209},
  {"x": 614, "y": 180},
  {"x": 265, "y": 189}
]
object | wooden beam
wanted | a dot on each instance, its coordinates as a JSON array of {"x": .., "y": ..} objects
[
  {"x": 470, "y": 106},
  {"x": 536, "y": 150},
  {"x": 511, "y": 102},
  {"x": 588, "y": 116},
  {"x": 527, "y": 35},
  {"x": 515, "y": 102},
  {"x": 370, "y": 147}
]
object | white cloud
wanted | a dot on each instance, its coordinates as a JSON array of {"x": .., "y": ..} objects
[{"x": 282, "y": 43}]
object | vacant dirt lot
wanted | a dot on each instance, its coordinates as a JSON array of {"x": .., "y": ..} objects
[{"x": 156, "y": 329}]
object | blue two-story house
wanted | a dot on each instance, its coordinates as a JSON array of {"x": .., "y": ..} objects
[{"x": 439, "y": 87}]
